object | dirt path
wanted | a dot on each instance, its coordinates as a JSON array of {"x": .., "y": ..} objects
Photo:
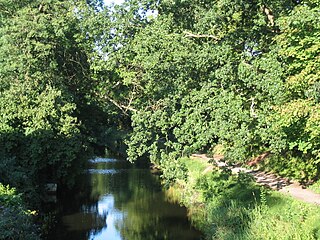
[{"x": 270, "y": 180}]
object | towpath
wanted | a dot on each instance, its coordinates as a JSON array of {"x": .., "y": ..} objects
[{"x": 270, "y": 180}]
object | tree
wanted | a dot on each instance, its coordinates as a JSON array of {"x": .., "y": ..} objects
[
  {"x": 202, "y": 78},
  {"x": 45, "y": 81},
  {"x": 294, "y": 124}
]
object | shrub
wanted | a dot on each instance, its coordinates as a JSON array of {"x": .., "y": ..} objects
[
  {"x": 172, "y": 170},
  {"x": 15, "y": 220}
]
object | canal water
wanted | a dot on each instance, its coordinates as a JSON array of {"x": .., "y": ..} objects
[{"x": 117, "y": 201}]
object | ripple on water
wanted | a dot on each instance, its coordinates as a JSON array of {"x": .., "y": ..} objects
[
  {"x": 103, "y": 171},
  {"x": 103, "y": 160}
]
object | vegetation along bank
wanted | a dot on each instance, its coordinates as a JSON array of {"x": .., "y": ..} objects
[{"x": 161, "y": 80}]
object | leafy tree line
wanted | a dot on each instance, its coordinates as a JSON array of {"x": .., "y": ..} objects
[
  {"x": 180, "y": 76},
  {"x": 193, "y": 74},
  {"x": 46, "y": 94}
]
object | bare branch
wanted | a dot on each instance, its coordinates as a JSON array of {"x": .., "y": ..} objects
[
  {"x": 269, "y": 14},
  {"x": 252, "y": 112},
  {"x": 122, "y": 107},
  {"x": 192, "y": 35}
]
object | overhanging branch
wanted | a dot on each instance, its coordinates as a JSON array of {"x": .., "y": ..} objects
[
  {"x": 192, "y": 35},
  {"x": 122, "y": 107}
]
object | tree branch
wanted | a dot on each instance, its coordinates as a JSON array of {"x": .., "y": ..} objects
[
  {"x": 252, "y": 112},
  {"x": 269, "y": 15},
  {"x": 192, "y": 35},
  {"x": 122, "y": 107}
]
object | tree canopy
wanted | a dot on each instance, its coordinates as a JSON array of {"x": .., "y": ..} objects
[{"x": 169, "y": 77}]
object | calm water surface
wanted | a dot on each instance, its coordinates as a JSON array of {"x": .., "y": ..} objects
[{"x": 119, "y": 202}]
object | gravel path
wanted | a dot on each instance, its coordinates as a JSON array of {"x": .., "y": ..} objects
[{"x": 270, "y": 180}]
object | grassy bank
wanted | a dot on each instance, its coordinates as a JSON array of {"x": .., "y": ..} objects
[
  {"x": 315, "y": 187},
  {"x": 225, "y": 206}
]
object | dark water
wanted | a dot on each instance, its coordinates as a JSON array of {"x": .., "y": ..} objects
[{"x": 119, "y": 202}]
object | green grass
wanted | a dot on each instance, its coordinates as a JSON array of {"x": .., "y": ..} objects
[
  {"x": 315, "y": 187},
  {"x": 283, "y": 218},
  {"x": 235, "y": 208},
  {"x": 195, "y": 165}
]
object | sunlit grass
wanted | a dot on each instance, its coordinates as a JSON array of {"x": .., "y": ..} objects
[
  {"x": 284, "y": 218},
  {"x": 195, "y": 165},
  {"x": 257, "y": 215},
  {"x": 315, "y": 187}
]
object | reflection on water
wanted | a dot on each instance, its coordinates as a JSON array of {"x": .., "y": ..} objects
[
  {"x": 103, "y": 171},
  {"x": 103, "y": 160},
  {"x": 120, "y": 202}
]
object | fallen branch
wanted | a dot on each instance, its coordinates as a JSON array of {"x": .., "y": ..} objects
[{"x": 259, "y": 159}]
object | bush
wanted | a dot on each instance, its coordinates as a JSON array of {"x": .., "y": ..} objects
[
  {"x": 15, "y": 220},
  {"x": 223, "y": 186},
  {"x": 40, "y": 135},
  {"x": 295, "y": 167},
  {"x": 172, "y": 170}
]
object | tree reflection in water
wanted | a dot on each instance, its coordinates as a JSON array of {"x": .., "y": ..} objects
[{"x": 125, "y": 203}]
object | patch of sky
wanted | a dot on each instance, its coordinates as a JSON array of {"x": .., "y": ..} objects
[
  {"x": 104, "y": 46},
  {"x": 111, "y": 2},
  {"x": 251, "y": 49},
  {"x": 149, "y": 14}
]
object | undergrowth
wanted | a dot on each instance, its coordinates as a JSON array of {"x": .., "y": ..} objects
[{"x": 16, "y": 221}]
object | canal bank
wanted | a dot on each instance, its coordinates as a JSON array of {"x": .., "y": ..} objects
[{"x": 227, "y": 206}]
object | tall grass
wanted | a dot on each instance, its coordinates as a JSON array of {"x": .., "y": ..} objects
[{"x": 235, "y": 208}]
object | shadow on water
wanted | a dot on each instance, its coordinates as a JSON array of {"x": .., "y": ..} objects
[{"x": 118, "y": 201}]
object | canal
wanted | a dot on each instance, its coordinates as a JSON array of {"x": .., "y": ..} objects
[{"x": 117, "y": 201}]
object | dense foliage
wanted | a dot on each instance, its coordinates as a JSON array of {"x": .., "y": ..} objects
[
  {"x": 15, "y": 220},
  {"x": 178, "y": 76},
  {"x": 45, "y": 84},
  {"x": 193, "y": 74},
  {"x": 181, "y": 76}
]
